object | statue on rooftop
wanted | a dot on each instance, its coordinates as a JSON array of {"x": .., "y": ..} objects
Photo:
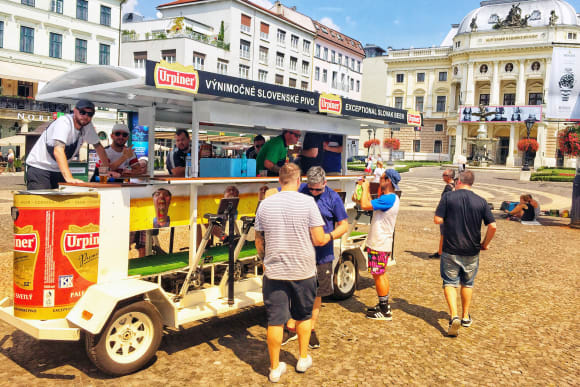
[{"x": 553, "y": 18}]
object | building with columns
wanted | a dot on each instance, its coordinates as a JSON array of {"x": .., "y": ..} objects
[{"x": 516, "y": 58}]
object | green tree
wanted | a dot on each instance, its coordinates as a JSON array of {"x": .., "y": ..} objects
[{"x": 221, "y": 35}]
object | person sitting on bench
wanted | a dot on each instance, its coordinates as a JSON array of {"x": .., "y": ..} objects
[{"x": 523, "y": 211}]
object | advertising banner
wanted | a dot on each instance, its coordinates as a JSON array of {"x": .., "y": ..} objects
[
  {"x": 500, "y": 113},
  {"x": 159, "y": 206},
  {"x": 564, "y": 88}
]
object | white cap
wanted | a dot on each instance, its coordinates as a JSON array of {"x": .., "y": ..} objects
[{"x": 120, "y": 128}]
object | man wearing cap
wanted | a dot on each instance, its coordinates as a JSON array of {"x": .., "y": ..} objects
[
  {"x": 379, "y": 243},
  {"x": 47, "y": 162},
  {"x": 119, "y": 155},
  {"x": 273, "y": 154}
]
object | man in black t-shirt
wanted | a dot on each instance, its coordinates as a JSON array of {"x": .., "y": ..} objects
[
  {"x": 176, "y": 159},
  {"x": 312, "y": 152},
  {"x": 461, "y": 213}
]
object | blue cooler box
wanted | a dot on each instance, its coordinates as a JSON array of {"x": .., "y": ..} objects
[{"x": 226, "y": 168}]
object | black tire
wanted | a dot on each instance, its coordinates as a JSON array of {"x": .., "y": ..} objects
[
  {"x": 345, "y": 278},
  {"x": 141, "y": 340}
]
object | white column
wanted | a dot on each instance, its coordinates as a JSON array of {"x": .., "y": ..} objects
[
  {"x": 521, "y": 87},
  {"x": 430, "y": 96},
  {"x": 470, "y": 86},
  {"x": 452, "y": 94},
  {"x": 541, "y": 138},
  {"x": 510, "y": 159},
  {"x": 458, "y": 143},
  {"x": 547, "y": 80},
  {"x": 494, "y": 97}
]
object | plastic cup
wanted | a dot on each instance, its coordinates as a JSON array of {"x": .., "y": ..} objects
[
  {"x": 264, "y": 172},
  {"x": 103, "y": 174}
]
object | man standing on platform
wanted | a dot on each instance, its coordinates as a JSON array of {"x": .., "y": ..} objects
[
  {"x": 176, "y": 159},
  {"x": 273, "y": 153},
  {"x": 461, "y": 213}
]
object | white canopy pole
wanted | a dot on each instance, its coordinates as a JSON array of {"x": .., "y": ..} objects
[
  {"x": 195, "y": 138},
  {"x": 147, "y": 118}
]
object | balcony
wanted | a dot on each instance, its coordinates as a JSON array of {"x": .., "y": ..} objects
[
  {"x": 420, "y": 52},
  {"x": 132, "y": 36},
  {"x": 18, "y": 103}
]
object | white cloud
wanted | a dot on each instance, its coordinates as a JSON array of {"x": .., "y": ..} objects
[
  {"x": 130, "y": 6},
  {"x": 329, "y": 23},
  {"x": 159, "y": 15},
  {"x": 263, "y": 3},
  {"x": 350, "y": 22}
]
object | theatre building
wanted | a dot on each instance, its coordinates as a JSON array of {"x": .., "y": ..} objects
[{"x": 505, "y": 63}]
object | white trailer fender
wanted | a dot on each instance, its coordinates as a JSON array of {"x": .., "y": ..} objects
[
  {"x": 93, "y": 309},
  {"x": 359, "y": 256}
]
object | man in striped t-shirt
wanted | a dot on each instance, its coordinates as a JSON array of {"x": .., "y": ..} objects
[{"x": 288, "y": 226}]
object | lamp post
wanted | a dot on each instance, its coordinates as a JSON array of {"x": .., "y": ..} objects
[{"x": 530, "y": 121}]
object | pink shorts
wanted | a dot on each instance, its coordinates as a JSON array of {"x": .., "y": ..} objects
[{"x": 377, "y": 261}]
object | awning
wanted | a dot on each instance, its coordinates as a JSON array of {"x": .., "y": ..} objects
[
  {"x": 22, "y": 72},
  {"x": 12, "y": 141}
]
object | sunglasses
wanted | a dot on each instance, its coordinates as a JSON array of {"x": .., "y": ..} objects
[
  {"x": 89, "y": 113},
  {"x": 119, "y": 134},
  {"x": 297, "y": 135},
  {"x": 316, "y": 189}
]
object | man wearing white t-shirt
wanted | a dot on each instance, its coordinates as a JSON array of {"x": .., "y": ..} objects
[
  {"x": 379, "y": 244},
  {"x": 48, "y": 160},
  {"x": 120, "y": 156}
]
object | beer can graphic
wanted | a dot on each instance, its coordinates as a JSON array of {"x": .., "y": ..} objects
[{"x": 56, "y": 252}]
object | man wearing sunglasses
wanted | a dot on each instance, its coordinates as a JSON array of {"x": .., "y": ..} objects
[
  {"x": 47, "y": 162},
  {"x": 273, "y": 154},
  {"x": 119, "y": 155},
  {"x": 252, "y": 152}
]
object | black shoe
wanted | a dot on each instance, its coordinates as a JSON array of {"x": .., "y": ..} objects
[
  {"x": 313, "y": 343},
  {"x": 288, "y": 336},
  {"x": 466, "y": 323},
  {"x": 378, "y": 313},
  {"x": 454, "y": 325},
  {"x": 435, "y": 255}
]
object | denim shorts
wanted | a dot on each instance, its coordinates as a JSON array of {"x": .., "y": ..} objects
[
  {"x": 459, "y": 269},
  {"x": 284, "y": 299}
]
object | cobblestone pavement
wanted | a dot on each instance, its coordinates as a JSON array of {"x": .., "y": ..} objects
[{"x": 525, "y": 328}]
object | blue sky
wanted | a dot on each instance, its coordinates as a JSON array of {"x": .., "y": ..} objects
[{"x": 396, "y": 23}]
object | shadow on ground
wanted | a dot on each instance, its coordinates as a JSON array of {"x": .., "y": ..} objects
[
  {"x": 421, "y": 255},
  {"x": 428, "y": 315}
]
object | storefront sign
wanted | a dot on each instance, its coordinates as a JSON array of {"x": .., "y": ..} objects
[
  {"x": 178, "y": 77},
  {"x": 23, "y": 116},
  {"x": 413, "y": 118},
  {"x": 564, "y": 88},
  {"x": 500, "y": 113}
]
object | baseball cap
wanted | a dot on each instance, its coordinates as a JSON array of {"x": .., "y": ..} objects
[
  {"x": 394, "y": 176},
  {"x": 120, "y": 128},
  {"x": 84, "y": 103}
]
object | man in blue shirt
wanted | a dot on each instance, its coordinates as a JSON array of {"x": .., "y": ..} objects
[{"x": 334, "y": 214}]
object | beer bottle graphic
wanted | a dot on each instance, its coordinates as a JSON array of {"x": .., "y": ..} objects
[{"x": 25, "y": 256}]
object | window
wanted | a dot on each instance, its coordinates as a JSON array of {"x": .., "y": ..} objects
[
  {"x": 246, "y": 23},
  {"x": 458, "y": 44},
  {"x": 351, "y": 84},
  {"x": 536, "y": 15},
  {"x": 572, "y": 35},
  {"x": 509, "y": 67},
  {"x": 262, "y": 75},
  {"x": 105, "y": 15},
  {"x": 358, "y": 66},
  {"x": 25, "y": 89},
  {"x": 28, "y": 2},
  {"x": 535, "y": 99},
  {"x": 304, "y": 85},
  {"x": 1, "y": 34},
  {"x": 400, "y": 78},
  {"x": 26, "y": 39},
  {"x": 420, "y": 77},
  {"x": 339, "y": 59},
  {"x": 264, "y": 31},
  {"x": 168, "y": 55},
  {"x": 484, "y": 99},
  {"x": 443, "y": 76},
  {"x": 294, "y": 42},
  {"x": 305, "y": 67},
  {"x": 263, "y": 54},
  {"x": 416, "y": 146},
  {"x": 293, "y": 64},
  {"x": 281, "y": 37},
  {"x": 306, "y": 46},
  {"x": 104, "y": 54},
  {"x": 222, "y": 66},
  {"x": 536, "y": 66},
  {"x": 56, "y": 6},
  {"x": 279, "y": 79},
  {"x": 342, "y": 84},
  {"x": 509, "y": 99},
  {"x": 441, "y": 103},
  {"x": 334, "y": 79},
  {"x": 139, "y": 59},
  {"x": 324, "y": 76},
  {"x": 346, "y": 60},
  {"x": 438, "y": 146},
  {"x": 244, "y": 71},
  {"x": 81, "y": 51},
  {"x": 325, "y": 56},
  {"x": 244, "y": 49},
  {"x": 198, "y": 61},
  {"x": 419, "y": 103},
  {"x": 292, "y": 82},
  {"x": 352, "y": 63},
  {"x": 438, "y": 127},
  {"x": 317, "y": 73},
  {"x": 357, "y": 86},
  {"x": 279, "y": 59},
  {"x": 398, "y": 102},
  {"x": 483, "y": 69},
  {"x": 317, "y": 51},
  {"x": 82, "y": 9}
]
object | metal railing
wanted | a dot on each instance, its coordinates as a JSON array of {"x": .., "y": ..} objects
[{"x": 16, "y": 103}]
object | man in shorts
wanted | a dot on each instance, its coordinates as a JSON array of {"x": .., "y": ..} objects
[
  {"x": 461, "y": 213},
  {"x": 287, "y": 225},
  {"x": 380, "y": 239},
  {"x": 333, "y": 213}
]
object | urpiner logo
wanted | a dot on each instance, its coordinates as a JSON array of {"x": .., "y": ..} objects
[
  {"x": 330, "y": 103},
  {"x": 177, "y": 77},
  {"x": 25, "y": 243},
  {"x": 80, "y": 241}
]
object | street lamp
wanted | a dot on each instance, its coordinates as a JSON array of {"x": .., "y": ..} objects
[{"x": 530, "y": 121}]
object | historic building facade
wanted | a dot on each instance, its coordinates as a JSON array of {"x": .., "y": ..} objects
[{"x": 515, "y": 58}]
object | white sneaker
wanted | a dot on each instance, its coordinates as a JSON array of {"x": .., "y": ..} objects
[
  {"x": 304, "y": 363},
  {"x": 275, "y": 374}
]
